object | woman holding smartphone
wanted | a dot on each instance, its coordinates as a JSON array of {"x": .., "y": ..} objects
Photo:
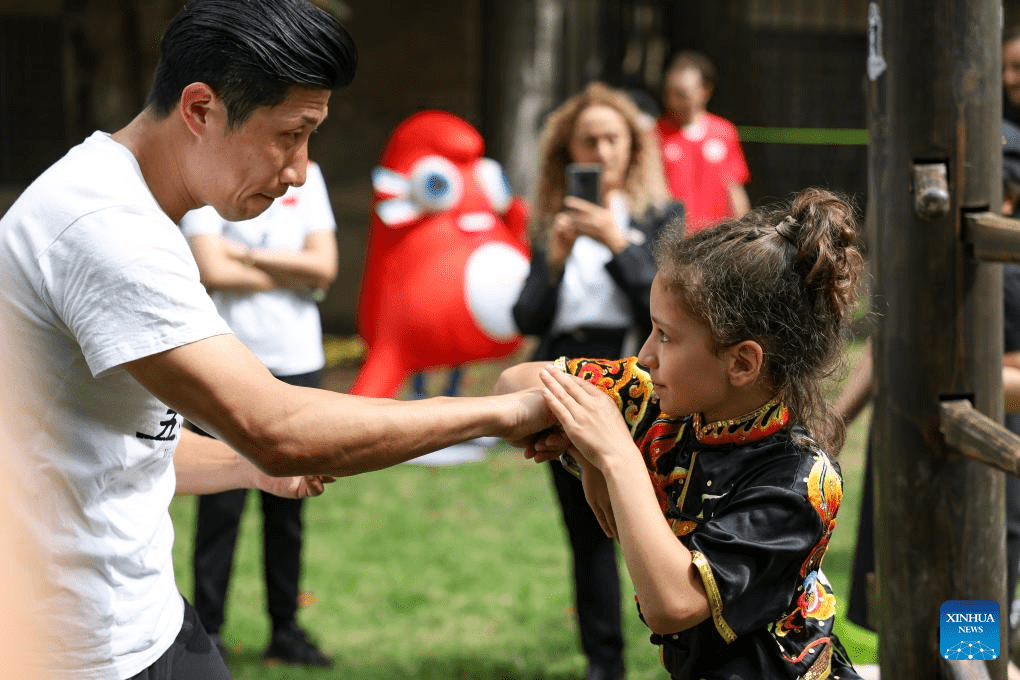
[{"x": 587, "y": 294}]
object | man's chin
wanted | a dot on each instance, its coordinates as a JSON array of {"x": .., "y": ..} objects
[{"x": 251, "y": 209}]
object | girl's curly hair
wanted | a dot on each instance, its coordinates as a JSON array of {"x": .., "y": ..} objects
[{"x": 785, "y": 276}]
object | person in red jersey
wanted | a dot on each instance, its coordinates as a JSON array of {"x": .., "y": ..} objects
[{"x": 701, "y": 153}]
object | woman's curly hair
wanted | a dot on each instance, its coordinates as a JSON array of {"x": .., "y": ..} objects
[{"x": 645, "y": 184}]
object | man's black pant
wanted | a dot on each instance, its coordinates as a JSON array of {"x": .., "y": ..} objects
[
  {"x": 596, "y": 577},
  {"x": 219, "y": 519},
  {"x": 192, "y": 655}
]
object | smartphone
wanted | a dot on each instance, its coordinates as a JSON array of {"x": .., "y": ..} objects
[{"x": 584, "y": 180}]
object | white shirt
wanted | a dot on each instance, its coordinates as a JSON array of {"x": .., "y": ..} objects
[
  {"x": 588, "y": 295},
  {"x": 281, "y": 327},
  {"x": 94, "y": 275}
]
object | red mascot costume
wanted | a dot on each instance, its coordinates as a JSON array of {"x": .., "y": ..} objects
[{"x": 447, "y": 255}]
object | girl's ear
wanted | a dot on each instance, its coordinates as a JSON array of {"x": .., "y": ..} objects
[{"x": 745, "y": 363}]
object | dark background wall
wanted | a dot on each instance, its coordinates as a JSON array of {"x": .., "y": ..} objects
[{"x": 68, "y": 67}]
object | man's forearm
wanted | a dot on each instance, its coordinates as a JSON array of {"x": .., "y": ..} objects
[
  {"x": 519, "y": 377},
  {"x": 206, "y": 465},
  {"x": 325, "y": 432},
  {"x": 740, "y": 202},
  {"x": 221, "y": 386},
  {"x": 298, "y": 269}
]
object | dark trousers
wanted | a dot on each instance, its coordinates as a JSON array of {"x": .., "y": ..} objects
[
  {"x": 864, "y": 555},
  {"x": 1012, "y": 520},
  {"x": 1012, "y": 535},
  {"x": 192, "y": 655},
  {"x": 219, "y": 519},
  {"x": 863, "y": 569},
  {"x": 596, "y": 577}
]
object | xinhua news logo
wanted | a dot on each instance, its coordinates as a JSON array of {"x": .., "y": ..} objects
[{"x": 970, "y": 630}]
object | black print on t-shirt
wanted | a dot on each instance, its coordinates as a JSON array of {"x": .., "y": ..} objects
[{"x": 169, "y": 431}]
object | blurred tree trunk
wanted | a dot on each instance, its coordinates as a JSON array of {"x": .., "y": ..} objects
[
  {"x": 523, "y": 78},
  {"x": 536, "y": 54},
  {"x": 112, "y": 49}
]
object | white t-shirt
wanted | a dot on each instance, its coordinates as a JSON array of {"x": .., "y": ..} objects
[
  {"x": 281, "y": 327},
  {"x": 94, "y": 275}
]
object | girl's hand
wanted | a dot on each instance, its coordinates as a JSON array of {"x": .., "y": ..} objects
[
  {"x": 596, "y": 492},
  {"x": 595, "y": 222},
  {"x": 589, "y": 417}
]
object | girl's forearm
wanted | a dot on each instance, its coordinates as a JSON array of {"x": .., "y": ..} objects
[{"x": 665, "y": 579}]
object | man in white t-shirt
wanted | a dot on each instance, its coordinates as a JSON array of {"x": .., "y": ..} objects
[
  {"x": 120, "y": 340},
  {"x": 265, "y": 276}
]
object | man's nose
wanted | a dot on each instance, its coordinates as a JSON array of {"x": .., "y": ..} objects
[{"x": 295, "y": 172}]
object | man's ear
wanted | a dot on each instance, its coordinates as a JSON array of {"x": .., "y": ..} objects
[
  {"x": 709, "y": 91},
  {"x": 745, "y": 363},
  {"x": 196, "y": 104}
]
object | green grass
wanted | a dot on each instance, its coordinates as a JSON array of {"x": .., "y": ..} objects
[{"x": 449, "y": 574}]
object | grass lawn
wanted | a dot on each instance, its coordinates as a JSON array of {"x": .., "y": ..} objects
[{"x": 451, "y": 573}]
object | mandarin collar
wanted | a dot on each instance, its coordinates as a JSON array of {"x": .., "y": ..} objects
[{"x": 760, "y": 423}]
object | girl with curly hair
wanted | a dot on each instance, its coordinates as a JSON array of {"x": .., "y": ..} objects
[{"x": 706, "y": 454}]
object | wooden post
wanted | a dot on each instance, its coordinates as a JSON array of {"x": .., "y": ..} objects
[{"x": 934, "y": 99}]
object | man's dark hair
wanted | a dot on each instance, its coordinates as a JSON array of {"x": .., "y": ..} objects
[
  {"x": 697, "y": 61},
  {"x": 251, "y": 52}
]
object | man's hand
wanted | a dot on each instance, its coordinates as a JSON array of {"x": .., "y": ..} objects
[
  {"x": 294, "y": 487},
  {"x": 529, "y": 416},
  {"x": 545, "y": 446}
]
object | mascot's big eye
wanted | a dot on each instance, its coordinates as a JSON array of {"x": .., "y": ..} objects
[
  {"x": 436, "y": 184},
  {"x": 489, "y": 175}
]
